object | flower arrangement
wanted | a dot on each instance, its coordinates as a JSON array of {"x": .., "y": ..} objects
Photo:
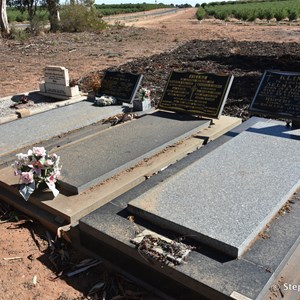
[
  {"x": 36, "y": 168},
  {"x": 144, "y": 94},
  {"x": 105, "y": 100}
]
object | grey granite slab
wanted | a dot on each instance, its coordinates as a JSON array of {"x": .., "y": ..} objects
[
  {"x": 207, "y": 274},
  {"x": 43, "y": 126},
  {"x": 226, "y": 198},
  {"x": 100, "y": 156}
]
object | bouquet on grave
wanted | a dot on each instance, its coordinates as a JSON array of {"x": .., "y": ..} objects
[
  {"x": 144, "y": 94},
  {"x": 37, "y": 168}
]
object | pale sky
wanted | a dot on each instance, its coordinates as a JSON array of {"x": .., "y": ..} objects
[{"x": 175, "y": 2}]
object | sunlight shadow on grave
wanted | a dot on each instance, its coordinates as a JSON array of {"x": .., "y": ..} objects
[
  {"x": 40, "y": 195},
  {"x": 278, "y": 131},
  {"x": 174, "y": 116},
  {"x": 35, "y": 97}
]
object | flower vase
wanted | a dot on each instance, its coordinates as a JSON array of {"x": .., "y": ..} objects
[
  {"x": 41, "y": 187},
  {"x": 142, "y": 105}
]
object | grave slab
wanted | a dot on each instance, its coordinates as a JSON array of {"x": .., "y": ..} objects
[
  {"x": 225, "y": 199},
  {"x": 69, "y": 208},
  {"x": 103, "y": 155},
  {"x": 43, "y": 126}
]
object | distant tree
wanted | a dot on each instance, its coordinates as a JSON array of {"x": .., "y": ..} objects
[
  {"x": 54, "y": 19},
  {"x": 197, "y": 5},
  {"x": 3, "y": 19}
]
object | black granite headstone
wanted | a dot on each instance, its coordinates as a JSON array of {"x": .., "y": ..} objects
[
  {"x": 123, "y": 86},
  {"x": 202, "y": 94},
  {"x": 278, "y": 95}
]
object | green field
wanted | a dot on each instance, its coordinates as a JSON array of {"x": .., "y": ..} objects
[
  {"x": 113, "y": 9},
  {"x": 251, "y": 10},
  {"x": 15, "y": 15}
]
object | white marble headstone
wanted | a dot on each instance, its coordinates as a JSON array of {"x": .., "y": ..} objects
[{"x": 57, "y": 83}]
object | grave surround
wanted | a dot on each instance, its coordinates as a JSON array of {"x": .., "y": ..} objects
[{"x": 225, "y": 199}]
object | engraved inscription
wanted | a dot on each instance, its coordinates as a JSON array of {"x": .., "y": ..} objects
[
  {"x": 123, "y": 86},
  {"x": 197, "y": 93},
  {"x": 278, "y": 95}
]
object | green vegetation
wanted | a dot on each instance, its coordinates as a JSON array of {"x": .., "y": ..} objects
[
  {"x": 250, "y": 10},
  {"x": 114, "y": 9},
  {"x": 200, "y": 13},
  {"x": 15, "y": 15},
  {"x": 78, "y": 18}
]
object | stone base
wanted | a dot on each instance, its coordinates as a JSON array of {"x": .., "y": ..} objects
[{"x": 59, "y": 91}]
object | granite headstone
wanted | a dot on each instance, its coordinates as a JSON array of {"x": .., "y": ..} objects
[
  {"x": 278, "y": 95},
  {"x": 121, "y": 85},
  {"x": 202, "y": 94}
]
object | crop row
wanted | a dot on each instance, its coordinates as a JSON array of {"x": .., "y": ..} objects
[
  {"x": 249, "y": 11},
  {"x": 113, "y": 9}
]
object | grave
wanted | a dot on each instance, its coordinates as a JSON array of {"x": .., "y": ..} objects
[
  {"x": 202, "y": 94},
  {"x": 57, "y": 83},
  {"x": 218, "y": 199},
  {"x": 19, "y": 134},
  {"x": 130, "y": 169},
  {"x": 121, "y": 85},
  {"x": 278, "y": 95},
  {"x": 225, "y": 199},
  {"x": 101, "y": 156},
  {"x": 99, "y": 165}
]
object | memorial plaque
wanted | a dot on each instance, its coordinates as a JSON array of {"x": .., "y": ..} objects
[
  {"x": 123, "y": 86},
  {"x": 57, "y": 75},
  {"x": 202, "y": 94},
  {"x": 278, "y": 95}
]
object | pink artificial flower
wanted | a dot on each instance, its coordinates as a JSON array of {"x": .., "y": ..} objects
[
  {"x": 49, "y": 162},
  {"x": 27, "y": 177},
  {"x": 51, "y": 179},
  {"x": 57, "y": 174},
  {"x": 39, "y": 151}
]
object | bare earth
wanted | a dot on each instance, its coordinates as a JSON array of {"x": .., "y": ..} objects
[
  {"x": 22, "y": 64},
  {"x": 24, "y": 253}
]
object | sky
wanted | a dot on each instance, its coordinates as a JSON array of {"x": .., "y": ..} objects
[{"x": 175, "y": 2}]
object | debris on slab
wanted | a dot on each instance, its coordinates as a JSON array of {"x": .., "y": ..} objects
[
  {"x": 160, "y": 248},
  {"x": 120, "y": 118}
]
